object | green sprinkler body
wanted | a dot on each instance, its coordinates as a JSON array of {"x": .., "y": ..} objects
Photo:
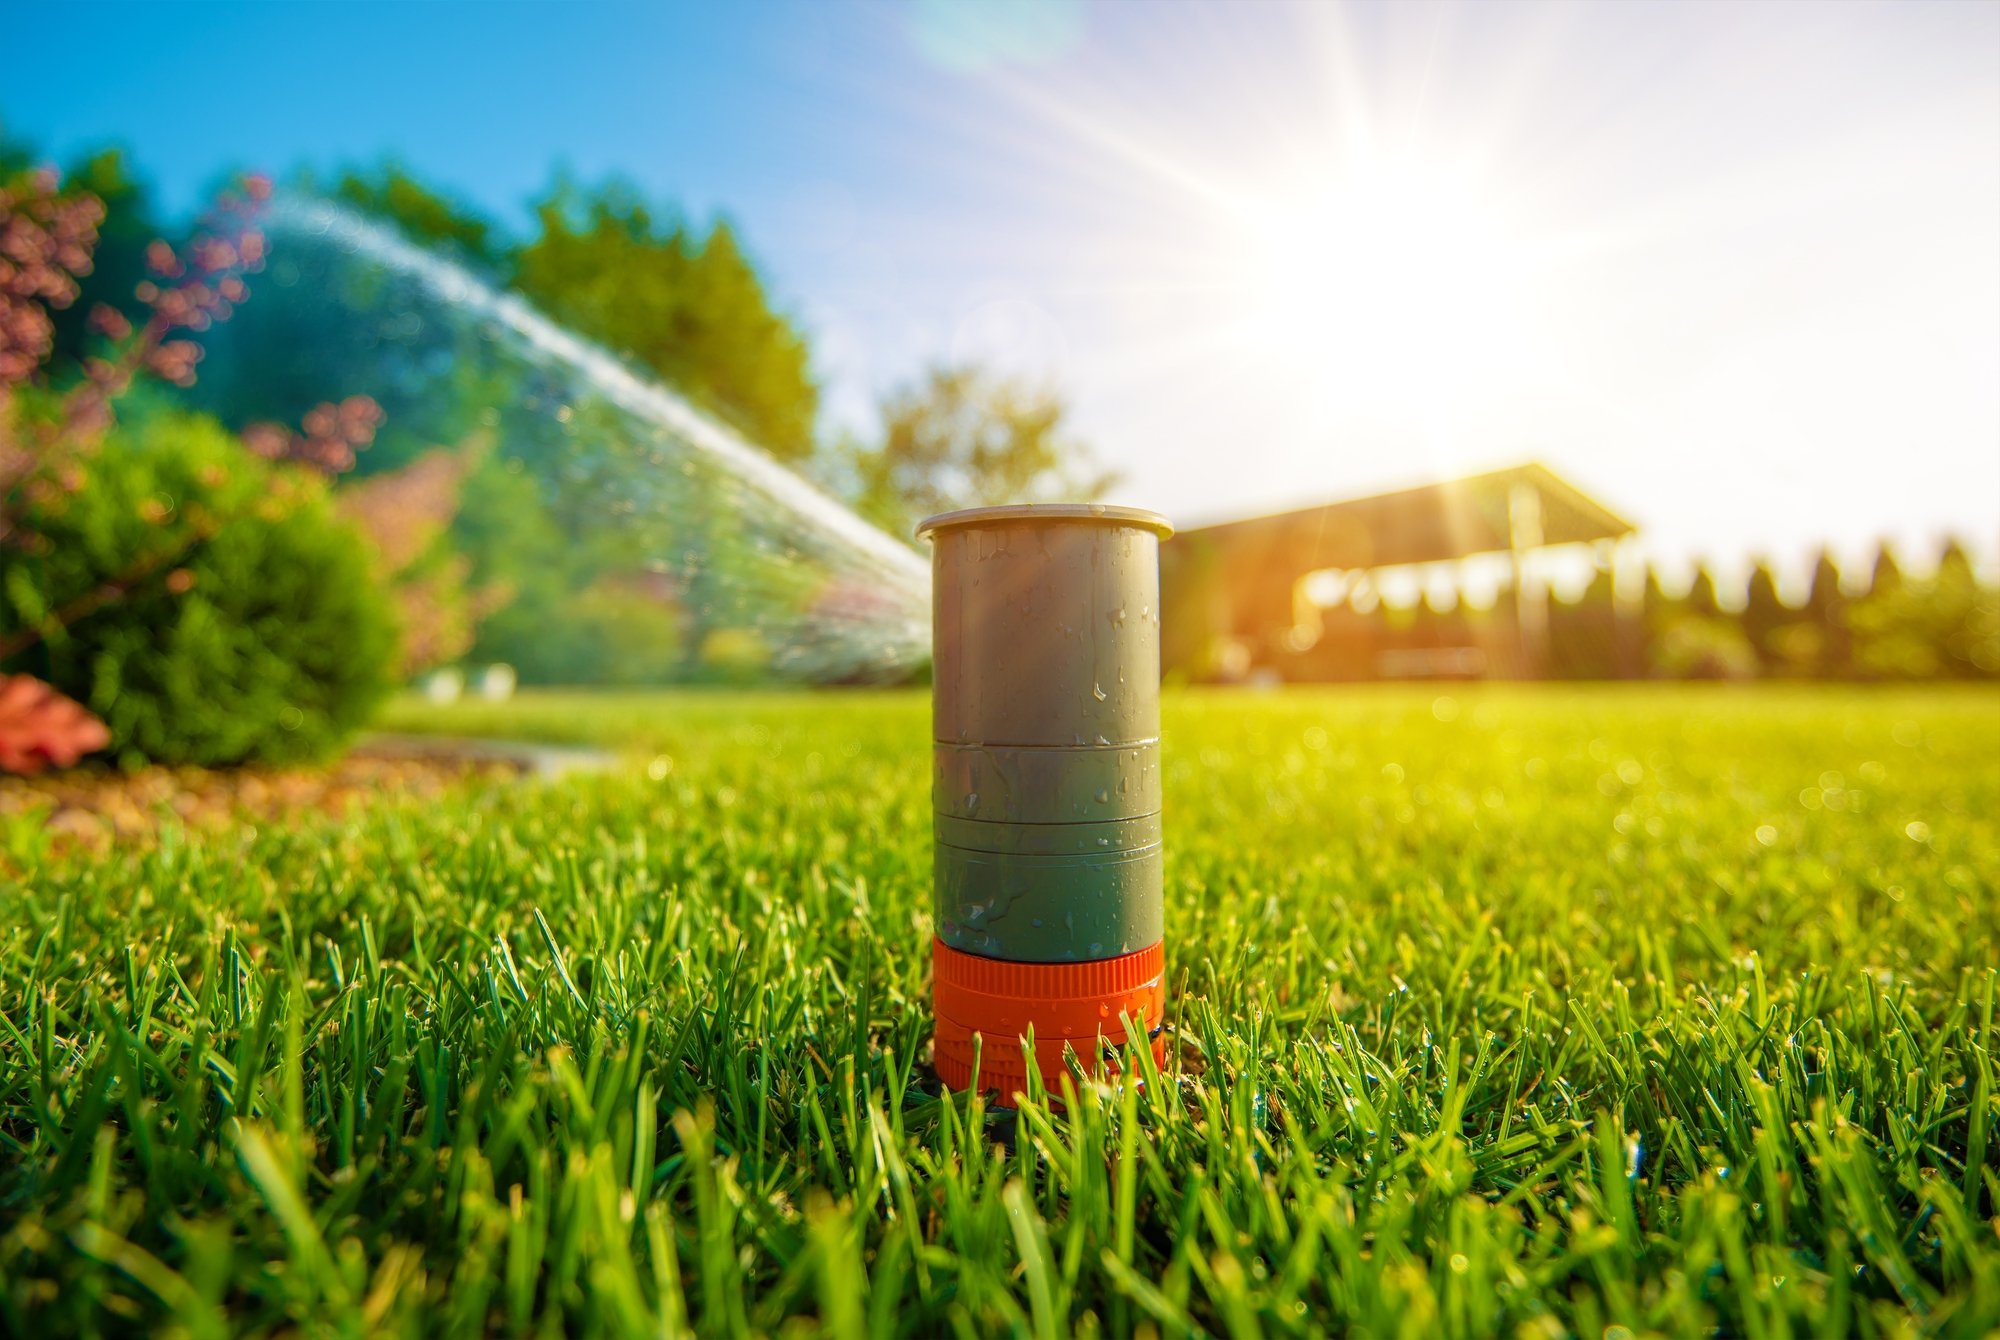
[{"x": 1046, "y": 786}]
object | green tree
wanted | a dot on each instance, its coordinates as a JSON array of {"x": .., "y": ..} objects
[
  {"x": 389, "y": 192},
  {"x": 964, "y": 437},
  {"x": 1884, "y": 643},
  {"x": 1583, "y": 633},
  {"x": 1828, "y": 651},
  {"x": 1764, "y": 613},
  {"x": 1655, "y": 603},
  {"x": 1701, "y": 601},
  {"x": 689, "y": 306},
  {"x": 1971, "y": 641},
  {"x": 1947, "y": 627},
  {"x": 1886, "y": 577},
  {"x": 1692, "y": 637}
]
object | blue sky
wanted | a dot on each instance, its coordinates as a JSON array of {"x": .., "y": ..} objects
[{"x": 1734, "y": 268}]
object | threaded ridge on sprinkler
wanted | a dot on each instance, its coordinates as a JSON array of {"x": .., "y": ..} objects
[{"x": 1047, "y": 981}]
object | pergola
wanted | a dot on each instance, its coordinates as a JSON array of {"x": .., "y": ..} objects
[{"x": 1243, "y": 579}]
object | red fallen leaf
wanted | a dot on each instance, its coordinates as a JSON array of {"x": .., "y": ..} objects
[{"x": 39, "y": 727}]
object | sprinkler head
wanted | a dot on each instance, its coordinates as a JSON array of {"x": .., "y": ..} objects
[{"x": 1047, "y": 884}]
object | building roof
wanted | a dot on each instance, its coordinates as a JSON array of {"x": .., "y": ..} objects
[{"x": 1428, "y": 524}]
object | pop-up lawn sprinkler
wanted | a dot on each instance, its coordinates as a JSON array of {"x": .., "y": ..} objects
[{"x": 1046, "y": 785}]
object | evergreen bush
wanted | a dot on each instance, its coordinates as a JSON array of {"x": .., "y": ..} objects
[{"x": 210, "y": 607}]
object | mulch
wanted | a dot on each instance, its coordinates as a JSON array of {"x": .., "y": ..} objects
[{"x": 93, "y": 807}]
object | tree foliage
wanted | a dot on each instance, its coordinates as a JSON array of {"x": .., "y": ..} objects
[
  {"x": 966, "y": 437},
  {"x": 422, "y": 213},
  {"x": 1764, "y": 610},
  {"x": 687, "y": 305},
  {"x": 1944, "y": 627}
]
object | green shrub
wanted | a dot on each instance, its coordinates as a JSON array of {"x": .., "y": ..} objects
[
  {"x": 1694, "y": 646},
  {"x": 611, "y": 632},
  {"x": 211, "y": 608}
]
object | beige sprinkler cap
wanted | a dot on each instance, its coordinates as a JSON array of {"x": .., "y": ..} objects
[{"x": 1099, "y": 512}]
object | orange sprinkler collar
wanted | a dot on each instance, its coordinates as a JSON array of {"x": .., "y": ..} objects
[{"x": 1078, "y": 1005}]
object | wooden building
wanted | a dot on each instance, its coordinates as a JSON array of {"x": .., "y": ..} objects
[{"x": 1235, "y": 602}]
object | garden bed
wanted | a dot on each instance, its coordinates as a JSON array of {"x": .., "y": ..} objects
[{"x": 95, "y": 806}]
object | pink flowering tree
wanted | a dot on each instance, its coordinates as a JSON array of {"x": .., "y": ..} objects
[{"x": 48, "y": 437}]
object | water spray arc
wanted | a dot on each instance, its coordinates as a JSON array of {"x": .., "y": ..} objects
[
  {"x": 1046, "y": 786},
  {"x": 736, "y": 547}
]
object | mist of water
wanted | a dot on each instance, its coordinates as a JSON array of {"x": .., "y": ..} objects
[{"x": 749, "y": 570}]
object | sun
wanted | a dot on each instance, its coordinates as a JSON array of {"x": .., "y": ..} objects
[{"x": 1391, "y": 279}]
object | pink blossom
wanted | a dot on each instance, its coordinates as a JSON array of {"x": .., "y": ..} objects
[
  {"x": 109, "y": 321},
  {"x": 161, "y": 260},
  {"x": 174, "y": 361}
]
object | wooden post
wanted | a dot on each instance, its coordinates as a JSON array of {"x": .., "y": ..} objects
[
  {"x": 1531, "y": 609},
  {"x": 1628, "y": 599}
]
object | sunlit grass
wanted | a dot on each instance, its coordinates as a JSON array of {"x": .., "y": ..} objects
[{"x": 1501, "y": 1012}]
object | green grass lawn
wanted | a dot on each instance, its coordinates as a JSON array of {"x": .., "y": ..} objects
[{"x": 1599, "y": 1012}]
